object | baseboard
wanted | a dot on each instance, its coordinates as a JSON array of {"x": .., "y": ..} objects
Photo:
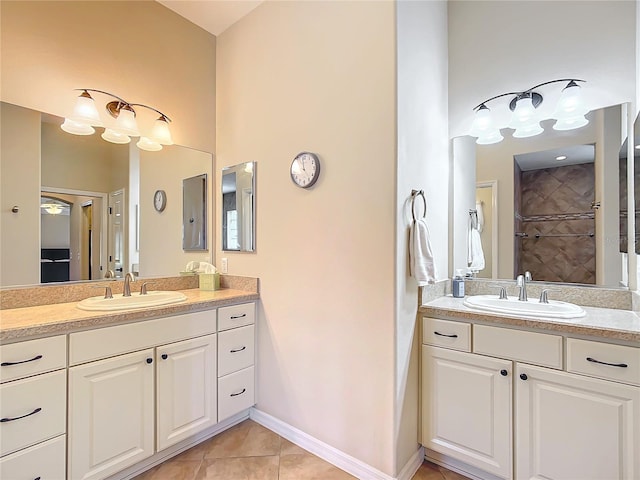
[
  {"x": 336, "y": 457},
  {"x": 457, "y": 466}
]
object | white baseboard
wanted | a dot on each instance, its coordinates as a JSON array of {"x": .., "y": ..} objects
[{"x": 336, "y": 457}]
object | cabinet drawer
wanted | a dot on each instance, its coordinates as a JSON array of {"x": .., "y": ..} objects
[
  {"x": 45, "y": 460},
  {"x": 235, "y": 393},
  {"x": 38, "y": 405},
  {"x": 112, "y": 341},
  {"x": 236, "y": 316},
  {"x": 443, "y": 333},
  {"x": 604, "y": 360},
  {"x": 24, "y": 359},
  {"x": 236, "y": 349},
  {"x": 528, "y": 347}
]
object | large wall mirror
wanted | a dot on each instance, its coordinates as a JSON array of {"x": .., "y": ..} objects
[
  {"x": 557, "y": 213},
  {"x": 238, "y": 208},
  {"x": 92, "y": 212}
]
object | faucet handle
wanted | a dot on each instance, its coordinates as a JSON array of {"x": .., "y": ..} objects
[
  {"x": 143, "y": 288},
  {"x": 544, "y": 296},
  {"x": 520, "y": 280},
  {"x": 107, "y": 290},
  {"x": 503, "y": 294},
  {"x": 527, "y": 276}
]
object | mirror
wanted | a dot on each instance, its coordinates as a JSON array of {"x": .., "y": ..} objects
[
  {"x": 636, "y": 179},
  {"x": 551, "y": 213},
  {"x": 194, "y": 213},
  {"x": 107, "y": 224},
  {"x": 238, "y": 208}
]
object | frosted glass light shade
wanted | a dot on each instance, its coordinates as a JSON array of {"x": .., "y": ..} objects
[
  {"x": 85, "y": 111},
  {"x": 112, "y": 136},
  {"x": 525, "y": 119},
  {"x": 126, "y": 123},
  {"x": 570, "y": 104},
  {"x": 528, "y": 131},
  {"x": 161, "y": 133},
  {"x": 76, "y": 128},
  {"x": 148, "y": 144},
  {"x": 570, "y": 123},
  {"x": 489, "y": 138},
  {"x": 481, "y": 122}
]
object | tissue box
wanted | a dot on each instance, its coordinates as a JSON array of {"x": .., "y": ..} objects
[{"x": 209, "y": 281}]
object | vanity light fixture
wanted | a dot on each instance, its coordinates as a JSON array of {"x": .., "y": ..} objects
[
  {"x": 85, "y": 117},
  {"x": 525, "y": 120}
]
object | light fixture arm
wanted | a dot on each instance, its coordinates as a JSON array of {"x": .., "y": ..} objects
[
  {"x": 162, "y": 115},
  {"x": 529, "y": 92},
  {"x": 570, "y": 80},
  {"x": 122, "y": 101}
]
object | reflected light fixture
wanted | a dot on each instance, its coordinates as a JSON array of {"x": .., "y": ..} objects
[
  {"x": 52, "y": 208},
  {"x": 85, "y": 117},
  {"x": 525, "y": 120}
]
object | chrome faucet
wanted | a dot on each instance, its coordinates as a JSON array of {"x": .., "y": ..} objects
[
  {"x": 521, "y": 283},
  {"x": 128, "y": 278}
]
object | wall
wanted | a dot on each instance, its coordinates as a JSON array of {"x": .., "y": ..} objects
[
  {"x": 141, "y": 51},
  {"x": 19, "y": 185},
  {"x": 319, "y": 76},
  {"x": 161, "y": 250},
  {"x": 422, "y": 164}
]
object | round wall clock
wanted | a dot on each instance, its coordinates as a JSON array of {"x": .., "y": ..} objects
[
  {"x": 159, "y": 200},
  {"x": 305, "y": 169}
]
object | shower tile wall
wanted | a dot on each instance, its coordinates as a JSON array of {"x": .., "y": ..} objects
[{"x": 555, "y": 203}]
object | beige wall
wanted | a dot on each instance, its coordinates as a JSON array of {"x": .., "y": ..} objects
[
  {"x": 20, "y": 186},
  {"x": 138, "y": 50},
  {"x": 319, "y": 76}
]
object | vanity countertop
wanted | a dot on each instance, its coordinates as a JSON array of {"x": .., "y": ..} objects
[
  {"x": 606, "y": 323},
  {"x": 61, "y": 318}
]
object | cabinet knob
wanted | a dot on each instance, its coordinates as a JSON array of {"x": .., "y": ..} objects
[
  {"x": 164, "y": 356},
  {"x": 523, "y": 376},
  {"x": 504, "y": 373},
  {"x": 149, "y": 360}
]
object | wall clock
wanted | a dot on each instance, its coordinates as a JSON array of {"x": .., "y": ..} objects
[
  {"x": 305, "y": 169},
  {"x": 159, "y": 200}
]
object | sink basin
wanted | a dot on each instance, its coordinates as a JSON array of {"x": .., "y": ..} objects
[
  {"x": 513, "y": 306},
  {"x": 118, "y": 302}
]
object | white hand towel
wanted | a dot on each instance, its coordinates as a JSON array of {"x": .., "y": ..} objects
[
  {"x": 480, "y": 214},
  {"x": 475, "y": 253},
  {"x": 421, "y": 263}
]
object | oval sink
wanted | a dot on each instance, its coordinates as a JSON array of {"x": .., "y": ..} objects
[
  {"x": 118, "y": 302},
  {"x": 513, "y": 306}
]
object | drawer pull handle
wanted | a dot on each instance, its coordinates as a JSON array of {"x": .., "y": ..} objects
[
  {"x": 164, "y": 356},
  {"x": 504, "y": 373},
  {"x": 234, "y": 317},
  {"x": 593, "y": 360},
  {"x": 37, "y": 478},
  {"x": 239, "y": 393},
  {"x": 8, "y": 364},
  {"x": 7, "y": 419},
  {"x": 236, "y": 350},
  {"x": 149, "y": 360},
  {"x": 523, "y": 376},
  {"x": 446, "y": 335}
]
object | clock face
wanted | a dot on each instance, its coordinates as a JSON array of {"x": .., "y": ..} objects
[
  {"x": 159, "y": 200},
  {"x": 305, "y": 169}
]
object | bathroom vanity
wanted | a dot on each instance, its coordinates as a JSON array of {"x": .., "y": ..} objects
[
  {"x": 97, "y": 395},
  {"x": 519, "y": 397}
]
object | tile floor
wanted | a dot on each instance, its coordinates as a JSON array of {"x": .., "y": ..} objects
[{"x": 248, "y": 451}]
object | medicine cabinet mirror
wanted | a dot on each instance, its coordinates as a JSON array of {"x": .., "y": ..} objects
[{"x": 238, "y": 208}]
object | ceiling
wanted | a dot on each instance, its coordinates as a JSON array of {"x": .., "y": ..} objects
[
  {"x": 575, "y": 154},
  {"x": 215, "y": 16}
]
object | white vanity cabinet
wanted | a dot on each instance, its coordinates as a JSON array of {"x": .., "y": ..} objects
[
  {"x": 561, "y": 425},
  {"x": 33, "y": 409}
]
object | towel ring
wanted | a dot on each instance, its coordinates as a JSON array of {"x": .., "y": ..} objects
[{"x": 414, "y": 194}]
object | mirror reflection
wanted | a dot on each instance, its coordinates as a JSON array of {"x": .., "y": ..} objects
[
  {"x": 90, "y": 211},
  {"x": 238, "y": 207},
  {"x": 557, "y": 216}
]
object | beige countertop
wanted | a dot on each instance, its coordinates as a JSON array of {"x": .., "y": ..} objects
[
  {"x": 61, "y": 318},
  {"x": 605, "y": 323}
]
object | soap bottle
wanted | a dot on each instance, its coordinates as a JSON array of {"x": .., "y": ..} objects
[{"x": 457, "y": 284}]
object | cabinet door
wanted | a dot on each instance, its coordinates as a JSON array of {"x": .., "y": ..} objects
[
  {"x": 110, "y": 414},
  {"x": 186, "y": 393},
  {"x": 466, "y": 402},
  {"x": 574, "y": 427}
]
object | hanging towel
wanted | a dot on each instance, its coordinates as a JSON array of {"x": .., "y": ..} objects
[
  {"x": 475, "y": 255},
  {"x": 480, "y": 215},
  {"x": 421, "y": 263}
]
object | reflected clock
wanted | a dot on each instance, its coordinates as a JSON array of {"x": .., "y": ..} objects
[{"x": 159, "y": 200}]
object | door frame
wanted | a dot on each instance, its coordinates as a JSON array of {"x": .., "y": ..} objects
[{"x": 493, "y": 185}]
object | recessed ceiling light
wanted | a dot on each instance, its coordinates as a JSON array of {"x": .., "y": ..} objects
[{"x": 561, "y": 157}]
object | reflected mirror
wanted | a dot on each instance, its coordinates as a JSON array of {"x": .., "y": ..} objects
[
  {"x": 557, "y": 214},
  {"x": 106, "y": 224},
  {"x": 194, "y": 213},
  {"x": 238, "y": 207}
]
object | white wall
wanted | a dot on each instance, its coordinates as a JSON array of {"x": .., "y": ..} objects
[
  {"x": 422, "y": 164},
  {"x": 319, "y": 76}
]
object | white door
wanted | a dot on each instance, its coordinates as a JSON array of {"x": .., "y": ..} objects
[
  {"x": 116, "y": 219},
  {"x": 186, "y": 389},
  {"x": 575, "y": 428},
  {"x": 466, "y": 401},
  {"x": 111, "y": 422}
]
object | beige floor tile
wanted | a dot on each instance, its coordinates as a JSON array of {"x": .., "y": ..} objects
[
  {"x": 305, "y": 466},
  {"x": 246, "y": 468},
  {"x": 247, "y": 439},
  {"x": 172, "y": 469},
  {"x": 288, "y": 448},
  {"x": 449, "y": 475},
  {"x": 428, "y": 471}
]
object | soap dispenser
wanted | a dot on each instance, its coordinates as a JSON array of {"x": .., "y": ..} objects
[{"x": 457, "y": 284}]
